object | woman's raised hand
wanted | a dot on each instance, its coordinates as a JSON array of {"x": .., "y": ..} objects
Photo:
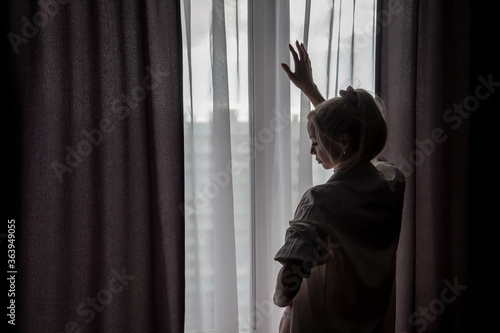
[{"x": 302, "y": 77}]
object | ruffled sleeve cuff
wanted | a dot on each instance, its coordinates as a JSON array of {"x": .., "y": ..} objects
[
  {"x": 303, "y": 244},
  {"x": 303, "y": 240}
]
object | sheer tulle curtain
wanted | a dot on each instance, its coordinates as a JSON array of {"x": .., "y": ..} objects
[
  {"x": 217, "y": 151},
  {"x": 247, "y": 150},
  {"x": 340, "y": 37}
]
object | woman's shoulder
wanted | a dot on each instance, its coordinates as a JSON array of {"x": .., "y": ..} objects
[
  {"x": 327, "y": 189},
  {"x": 326, "y": 198},
  {"x": 360, "y": 186},
  {"x": 394, "y": 177}
]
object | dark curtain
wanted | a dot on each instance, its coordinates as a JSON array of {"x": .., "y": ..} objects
[
  {"x": 439, "y": 101},
  {"x": 95, "y": 164}
]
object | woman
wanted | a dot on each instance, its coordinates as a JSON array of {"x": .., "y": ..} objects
[{"x": 340, "y": 249}]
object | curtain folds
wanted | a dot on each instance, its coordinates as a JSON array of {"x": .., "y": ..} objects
[
  {"x": 424, "y": 69},
  {"x": 218, "y": 237},
  {"x": 225, "y": 286},
  {"x": 273, "y": 161},
  {"x": 247, "y": 150},
  {"x": 98, "y": 102}
]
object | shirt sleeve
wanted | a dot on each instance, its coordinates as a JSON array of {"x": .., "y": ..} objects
[{"x": 307, "y": 239}]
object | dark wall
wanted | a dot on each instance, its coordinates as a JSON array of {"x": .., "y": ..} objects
[{"x": 485, "y": 57}]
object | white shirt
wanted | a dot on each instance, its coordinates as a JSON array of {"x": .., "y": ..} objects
[{"x": 348, "y": 230}]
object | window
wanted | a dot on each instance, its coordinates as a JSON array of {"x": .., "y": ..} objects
[{"x": 247, "y": 160}]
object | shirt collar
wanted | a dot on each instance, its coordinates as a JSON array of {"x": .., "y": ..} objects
[{"x": 359, "y": 170}]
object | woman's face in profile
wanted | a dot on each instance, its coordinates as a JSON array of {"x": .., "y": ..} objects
[{"x": 322, "y": 157}]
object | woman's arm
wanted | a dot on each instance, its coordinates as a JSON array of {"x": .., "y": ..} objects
[
  {"x": 288, "y": 283},
  {"x": 302, "y": 77}
]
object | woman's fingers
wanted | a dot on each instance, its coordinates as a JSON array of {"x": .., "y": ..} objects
[
  {"x": 301, "y": 51},
  {"x": 287, "y": 70},
  {"x": 289, "y": 73},
  {"x": 294, "y": 54},
  {"x": 301, "y": 76},
  {"x": 304, "y": 55}
]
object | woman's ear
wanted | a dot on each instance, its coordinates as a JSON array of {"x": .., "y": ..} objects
[{"x": 345, "y": 142}]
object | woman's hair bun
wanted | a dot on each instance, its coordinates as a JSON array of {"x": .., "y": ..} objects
[{"x": 350, "y": 95}]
